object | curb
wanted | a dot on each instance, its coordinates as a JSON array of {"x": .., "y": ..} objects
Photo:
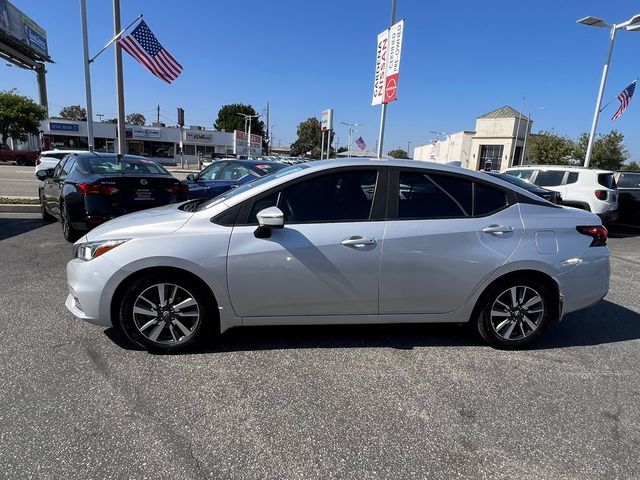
[{"x": 15, "y": 208}]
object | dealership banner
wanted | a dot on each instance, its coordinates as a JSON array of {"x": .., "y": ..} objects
[
  {"x": 389, "y": 47},
  {"x": 381, "y": 68},
  {"x": 393, "y": 62}
]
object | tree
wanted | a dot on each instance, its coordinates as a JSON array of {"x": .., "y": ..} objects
[
  {"x": 136, "y": 119},
  {"x": 73, "y": 112},
  {"x": 229, "y": 119},
  {"x": 398, "y": 153},
  {"x": 549, "y": 148},
  {"x": 608, "y": 151},
  {"x": 342, "y": 150},
  {"x": 309, "y": 139},
  {"x": 631, "y": 166},
  {"x": 19, "y": 116}
]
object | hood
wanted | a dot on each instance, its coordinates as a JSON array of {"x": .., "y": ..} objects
[{"x": 155, "y": 221}]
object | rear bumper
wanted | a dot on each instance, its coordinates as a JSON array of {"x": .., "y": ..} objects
[
  {"x": 609, "y": 216},
  {"x": 588, "y": 283}
]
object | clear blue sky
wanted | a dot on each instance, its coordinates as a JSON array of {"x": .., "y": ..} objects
[{"x": 460, "y": 60}]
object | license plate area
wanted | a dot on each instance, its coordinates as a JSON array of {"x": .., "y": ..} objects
[{"x": 142, "y": 194}]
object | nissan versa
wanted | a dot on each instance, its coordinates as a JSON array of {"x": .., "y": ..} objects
[{"x": 336, "y": 242}]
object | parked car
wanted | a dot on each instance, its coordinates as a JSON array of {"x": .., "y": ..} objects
[
  {"x": 87, "y": 189},
  {"x": 21, "y": 157},
  {"x": 223, "y": 175},
  {"x": 628, "y": 183},
  {"x": 549, "y": 195},
  {"x": 588, "y": 189},
  {"x": 50, "y": 158},
  {"x": 343, "y": 241}
]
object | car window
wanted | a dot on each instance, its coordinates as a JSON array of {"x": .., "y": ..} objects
[
  {"x": 629, "y": 180},
  {"x": 488, "y": 200},
  {"x": 549, "y": 178},
  {"x": 59, "y": 166},
  {"x": 523, "y": 174},
  {"x": 335, "y": 197},
  {"x": 459, "y": 188},
  {"x": 420, "y": 197},
  {"x": 233, "y": 172},
  {"x": 69, "y": 166},
  {"x": 572, "y": 177},
  {"x": 607, "y": 180},
  {"x": 212, "y": 171}
]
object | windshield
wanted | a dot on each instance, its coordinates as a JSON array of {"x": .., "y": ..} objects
[{"x": 248, "y": 186}]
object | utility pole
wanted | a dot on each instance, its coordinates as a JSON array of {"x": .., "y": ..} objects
[
  {"x": 408, "y": 147},
  {"x": 87, "y": 74},
  {"x": 158, "y": 116},
  {"x": 268, "y": 137},
  {"x": 121, "y": 150}
]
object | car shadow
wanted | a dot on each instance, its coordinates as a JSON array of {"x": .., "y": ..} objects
[
  {"x": 11, "y": 227},
  {"x": 603, "y": 323},
  {"x": 619, "y": 231}
]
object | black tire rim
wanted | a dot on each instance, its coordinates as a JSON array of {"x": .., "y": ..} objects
[
  {"x": 166, "y": 314},
  {"x": 517, "y": 313}
]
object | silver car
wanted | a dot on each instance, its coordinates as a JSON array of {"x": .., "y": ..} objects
[{"x": 343, "y": 241}]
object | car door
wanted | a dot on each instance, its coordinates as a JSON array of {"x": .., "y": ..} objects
[
  {"x": 445, "y": 235},
  {"x": 53, "y": 186},
  {"x": 324, "y": 261},
  {"x": 201, "y": 186}
]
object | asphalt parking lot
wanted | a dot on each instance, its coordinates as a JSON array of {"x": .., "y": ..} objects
[{"x": 356, "y": 402}]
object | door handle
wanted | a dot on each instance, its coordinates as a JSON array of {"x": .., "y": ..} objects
[
  {"x": 497, "y": 229},
  {"x": 358, "y": 241}
]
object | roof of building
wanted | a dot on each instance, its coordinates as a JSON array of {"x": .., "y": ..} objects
[{"x": 502, "y": 112}]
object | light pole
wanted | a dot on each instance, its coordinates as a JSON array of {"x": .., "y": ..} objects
[
  {"x": 351, "y": 130},
  {"x": 408, "y": 147},
  {"x": 526, "y": 135},
  {"x": 271, "y": 139},
  {"x": 597, "y": 22},
  {"x": 247, "y": 128}
]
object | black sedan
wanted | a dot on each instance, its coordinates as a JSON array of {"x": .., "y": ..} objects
[
  {"x": 550, "y": 195},
  {"x": 87, "y": 189},
  {"x": 628, "y": 183},
  {"x": 223, "y": 175}
]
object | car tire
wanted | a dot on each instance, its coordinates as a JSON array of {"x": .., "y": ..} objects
[
  {"x": 21, "y": 161},
  {"x": 165, "y": 313},
  {"x": 70, "y": 234},
  {"x": 43, "y": 211},
  {"x": 514, "y": 312}
]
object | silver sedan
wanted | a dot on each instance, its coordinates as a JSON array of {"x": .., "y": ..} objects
[{"x": 345, "y": 241}]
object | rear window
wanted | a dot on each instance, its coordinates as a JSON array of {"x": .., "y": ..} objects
[
  {"x": 572, "y": 178},
  {"x": 124, "y": 166},
  {"x": 549, "y": 178},
  {"x": 629, "y": 180},
  {"x": 488, "y": 200},
  {"x": 607, "y": 180},
  {"x": 523, "y": 174}
]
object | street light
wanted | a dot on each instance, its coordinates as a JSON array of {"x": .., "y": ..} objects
[
  {"x": 526, "y": 134},
  {"x": 351, "y": 129},
  {"x": 629, "y": 25}
]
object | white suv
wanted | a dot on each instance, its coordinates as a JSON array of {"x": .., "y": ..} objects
[{"x": 585, "y": 188}]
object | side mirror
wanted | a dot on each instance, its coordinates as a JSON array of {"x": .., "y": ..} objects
[
  {"x": 191, "y": 177},
  {"x": 44, "y": 174},
  {"x": 269, "y": 218}
]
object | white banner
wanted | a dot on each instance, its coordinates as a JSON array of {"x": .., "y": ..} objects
[
  {"x": 393, "y": 62},
  {"x": 382, "y": 53},
  {"x": 327, "y": 119}
]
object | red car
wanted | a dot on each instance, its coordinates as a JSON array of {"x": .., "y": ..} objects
[{"x": 21, "y": 157}]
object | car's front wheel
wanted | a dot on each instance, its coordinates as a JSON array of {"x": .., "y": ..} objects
[
  {"x": 164, "y": 313},
  {"x": 514, "y": 312}
]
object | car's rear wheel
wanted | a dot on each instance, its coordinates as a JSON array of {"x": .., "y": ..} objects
[
  {"x": 514, "y": 313},
  {"x": 43, "y": 211},
  {"x": 21, "y": 161},
  {"x": 164, "y": 313},
  {"x": 70, "y": 233}
]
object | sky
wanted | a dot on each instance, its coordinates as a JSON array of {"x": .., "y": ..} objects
[{"x": 459, "y": 60}]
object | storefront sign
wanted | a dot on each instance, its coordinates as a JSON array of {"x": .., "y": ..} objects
[
  {"x": 63, "y": 127},
  {"x": 139, "y": 132},
  {"x": 198, "y": 137}
]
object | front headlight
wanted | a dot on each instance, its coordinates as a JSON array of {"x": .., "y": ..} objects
[{"x": 90, "y": 250}]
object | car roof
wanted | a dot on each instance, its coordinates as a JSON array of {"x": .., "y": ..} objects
[
  {"x": 49, "y": 152},
  {"x": 568, "y": 168}
]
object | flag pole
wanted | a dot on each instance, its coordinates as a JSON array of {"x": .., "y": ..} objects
[
  {"x": 87, "y": 74},
  {"x": 383, "y": 112},
  {"x": 119, "y": 81},
  {"x": 116, "y": 37}
]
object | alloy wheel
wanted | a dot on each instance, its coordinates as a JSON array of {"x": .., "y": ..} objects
[
  {"x": 166, "y": 314},
  {"x": 517, "y": 313}
]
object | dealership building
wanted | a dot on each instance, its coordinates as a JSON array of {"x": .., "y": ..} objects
[
  {"x": 157, "y": 142},
  {"x": 499, "y": 138}
]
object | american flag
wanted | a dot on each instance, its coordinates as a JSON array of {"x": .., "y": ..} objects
[
  {"x": 625, "y": 99},
  {"x": 360, "y": 143},
  {"x": 143, "y": 45}
]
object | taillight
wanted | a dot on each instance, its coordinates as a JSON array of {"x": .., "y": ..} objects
[
  {"x": 94, "y": 189},
  {"x": 598, "y": 233},
  {"x": 601, "y": 194},
  {"x": 180, "y": 188},
  {"x": 38, "y": 161}
]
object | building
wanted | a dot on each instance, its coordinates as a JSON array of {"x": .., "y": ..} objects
[
  {"x": 498, "y": 140},
  {"x": 158, "y": 142}
]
